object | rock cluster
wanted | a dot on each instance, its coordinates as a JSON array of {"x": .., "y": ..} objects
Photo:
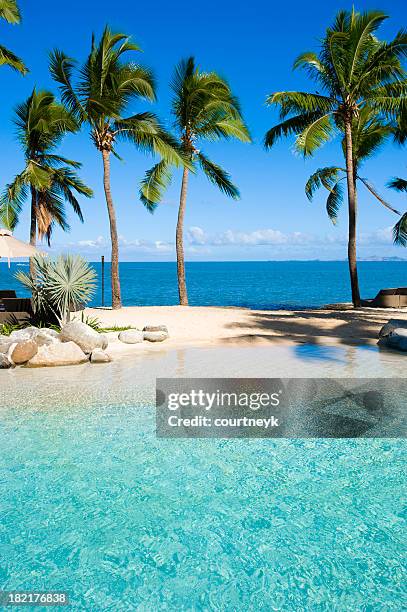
[
  {"x": 394, "y": 335},
  {"x": 41, "y": 347},
  {"x": 76, "y": 343},
  {"x": 150, "y": 333}
]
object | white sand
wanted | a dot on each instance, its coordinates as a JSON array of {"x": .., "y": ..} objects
[{"x": 209, "y": 326}]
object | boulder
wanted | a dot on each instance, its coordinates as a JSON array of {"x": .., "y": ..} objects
[
  {"x": 83, "y": 335},
  {"x": 396, "y": 339},
  {"x": 20, "y": 335},
  {"x": 58, "y": 354},
  {"x": 99, "y": 356},
  {"x": 5, "y": 362},
  {"x": 46, "y": 336},
  {"x": 24, "y": 351},
  {"x": 155, "y": 336},
  {"x": 131, "y": 336},
  {"x": 155, "y": 328},
  {"x": 390, "y": 326},
  {"x": 4, "y": 346},
  {"x": 105, "y": 341}
]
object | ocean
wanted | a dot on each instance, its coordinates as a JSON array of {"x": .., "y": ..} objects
[{"x": 265, "y": 285}]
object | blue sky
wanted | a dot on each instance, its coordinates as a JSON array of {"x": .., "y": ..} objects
[{"x": 254, "y": 46}]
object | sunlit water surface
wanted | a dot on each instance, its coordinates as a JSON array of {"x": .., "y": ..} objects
[{"x": 93, "y": 503}]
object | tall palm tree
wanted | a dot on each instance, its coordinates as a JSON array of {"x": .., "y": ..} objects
[
  {"x": 106, "y": 86},
  {"x": 10, "y": 12},
  {"x": 49, "y": 178},
  {"x": 204, "y": 108},
  {"x": 354, "y": 70}
]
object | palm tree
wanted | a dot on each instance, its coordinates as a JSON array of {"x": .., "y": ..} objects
[
  {"x": 49, "y": 178},
  {"x": 204, "y": 108},
  {"x": 354, "y": 70},
  {"x": 10, "y": 12},
  {"x": 106, "y": 86}
]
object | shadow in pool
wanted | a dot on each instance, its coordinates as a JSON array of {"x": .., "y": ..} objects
[{"x": 319, "y": 353}]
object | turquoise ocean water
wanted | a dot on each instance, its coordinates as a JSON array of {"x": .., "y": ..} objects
[{"x": 264, "y": 285}]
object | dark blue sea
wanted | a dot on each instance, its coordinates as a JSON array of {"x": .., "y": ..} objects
[{"x": 264, "y": 284}]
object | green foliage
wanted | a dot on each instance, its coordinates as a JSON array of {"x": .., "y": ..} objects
[
  {"x": 398, "y": 184},
  {"x": 59, "y": 285},
  {"x": 106, "y": 86},
  {"x": 400, "y": 231},
  {"x": 49, "y": 178},
  {"x": 96, "y": 324},
  {"x": 10, "y": 12},
  {"x": 7, "y": 328},
  {"x": 204, "y": 108},
  {"x": 355, "y": 72}
]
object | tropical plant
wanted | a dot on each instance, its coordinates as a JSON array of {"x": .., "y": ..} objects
[
  {"x": 10, "y": 12},
  {"x": 400, "y": 229},
  {"x": 48, "y": 178},
  {"x": 60, "y": 285},
  {"x": 107, "y": 85},
  {"x": 354, "y": 70},
  {"x": 204, "y": 108}
]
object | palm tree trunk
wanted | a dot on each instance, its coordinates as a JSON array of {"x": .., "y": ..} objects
[
  {"x": 115, "y": 279},
  {"x": 179, "y": 241},
  {"x": 352, "y": 207},
  {"x": 33, "y": 227}
]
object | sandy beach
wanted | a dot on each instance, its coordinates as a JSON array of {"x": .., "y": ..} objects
[{"x": 208, "y": 326}]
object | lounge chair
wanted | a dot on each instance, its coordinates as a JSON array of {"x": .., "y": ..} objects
[
  {"x": 13, "y": 309},
  {"x": 388, "y": 298}
]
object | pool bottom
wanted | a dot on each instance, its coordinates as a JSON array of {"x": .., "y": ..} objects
[{"x": 94, "y": 504}]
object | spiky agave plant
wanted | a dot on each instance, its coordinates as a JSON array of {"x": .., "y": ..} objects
[{"x": 60, "y": 285}]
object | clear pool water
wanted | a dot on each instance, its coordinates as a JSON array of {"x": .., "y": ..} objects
[{"x": 92, "y": 503}]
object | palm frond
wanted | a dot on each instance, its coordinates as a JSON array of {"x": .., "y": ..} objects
[
  {"x": 398, "y": 184},
  {"x": 315, "y": 135},
  {"x": 9, "y": 11},
  {"x": 218, "y": 176},
  {"x": 8, "y": 58},
  {"x": 154, "y": 183},
  {"x": 334, "y": 201},
  {"x": 400, "y": 231},
  {"x": 378, "y": 197}
]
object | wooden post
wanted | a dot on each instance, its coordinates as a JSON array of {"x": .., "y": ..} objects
[{"x": 103, "y": 280}]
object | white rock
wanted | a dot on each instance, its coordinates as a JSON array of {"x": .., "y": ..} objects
[
  {"x": 46, "y": 336},
  {"x": 58, "y": 354},
  {"x": 156, "y": 328},
  {"x": 131, "y": 336},
  {"x": 390, "y": 326},
  {"x": 99, "y": 356},
  {"x": 20, "y": 335},
  {"x": 83, "y": 335},
  {"x": 4, "y": 346},
  {"x": 155, "y": 336}
]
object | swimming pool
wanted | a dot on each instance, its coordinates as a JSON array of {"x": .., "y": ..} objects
[{"x": 94, "y": 504}]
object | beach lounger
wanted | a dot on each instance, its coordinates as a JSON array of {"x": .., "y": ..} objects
[{"x": 388, "y": 298}]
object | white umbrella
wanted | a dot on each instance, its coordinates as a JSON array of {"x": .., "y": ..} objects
[{"x": 11, "y": 248}]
